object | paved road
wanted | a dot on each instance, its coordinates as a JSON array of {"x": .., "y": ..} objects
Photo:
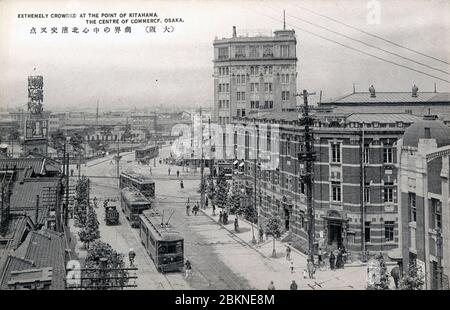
[{"x": 205, "y": 241}]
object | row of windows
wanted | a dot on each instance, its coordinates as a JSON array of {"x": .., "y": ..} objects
[
  {"x": 224, "y": 71},
  {"x": 240, "y": 79},
  {"x": 268, "y": 104},
  {"x": 241, "y": 112},
  {"x": 240, "y": 96},
  {"x": 224, "y": 88},
  {"x": 285, "y": 95},
  {"x": 435, "y": 211},
  {"x": 224, "y": 120},
  {"x": 254, "y": 51},
  {"x": 388, "y": 153},
  {"x": 389, "y": 227},
  {"x": 224, "y": 104},
  {"x": 284, "y": 78},
  {"x": 254, "y": 71}
]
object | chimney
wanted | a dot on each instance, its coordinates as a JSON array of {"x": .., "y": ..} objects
[
  {"x": 234, "y": 32},
  {"x": 415, "y": 89},
  {"x": 372, "y": 91}
]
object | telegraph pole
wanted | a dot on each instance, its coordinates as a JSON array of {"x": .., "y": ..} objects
[
  {"x": 308, "y": 157},
  {"x": 202, "y": 167},
  {"x": 118, "y": 159},
  {"x": 439, "y": 257}
]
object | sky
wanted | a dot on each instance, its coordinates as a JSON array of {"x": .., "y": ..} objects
[{"x": 145, "y": 70}]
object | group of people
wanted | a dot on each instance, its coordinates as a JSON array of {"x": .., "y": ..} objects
[
  {"x": 195, "y": 208},
  {"x": 292, "y": 287},
  {"x": 337, "y": 261},
  {"x": 223, "y": 217}
]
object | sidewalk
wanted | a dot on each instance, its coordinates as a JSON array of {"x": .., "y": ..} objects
[{"x": 353, "y": 276}]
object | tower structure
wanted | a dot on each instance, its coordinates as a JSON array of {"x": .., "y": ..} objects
[{"x": 36, "y": 125}]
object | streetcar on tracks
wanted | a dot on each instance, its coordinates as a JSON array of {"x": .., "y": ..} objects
[
  {"x": 146, "y": 153},
  {"x": 141, "y": 182},
  {"x": 133, "y": 203},
  {"x": 163, "y": 243}
]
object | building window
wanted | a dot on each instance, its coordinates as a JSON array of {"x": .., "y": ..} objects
[
  {"x": 412, "y": 207},
  {"x": 254, "y": 87},
  {"x": 288, "y": 146},
  {"x": 268, "y": 87},
  {"x": 257, "y": 104},
  {"x": 336, "y": 152},
  {"x": 389, "y": 230},
  {"x": 336, "y": 191},
  {"x": 284, "y": 78},
  {"x": 366, "y": 154},
  {"x": 367, "y": 232},
  {"x": 388, "y": 154},
  {"x": 240, "y": 96},
  {"x": 268, "y": 51},
  {"x": 367, "y": 193},
  {"x": 436, "y": 214},
  {"x": 240, "y": 52},
  {"x": 388, "y": 192},
  {"x": 243, "y": 112},
  {"x": 284, "y": 50},
  {"x": 253, "y": 52},
  {"x": 285, "y": 95},
  {"x": 223, "y": 53},
  {"x": 301, "y": 186}
]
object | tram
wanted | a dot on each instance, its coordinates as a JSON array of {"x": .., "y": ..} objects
[
  {"x": 146, "y": 153},
  {"x": 162, "y": 242},
  {"x": 133, "y": 203},
  {"x": 144, "y": 184}
]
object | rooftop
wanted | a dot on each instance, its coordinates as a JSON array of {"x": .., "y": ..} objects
[
  {"x": 427, "y": 129},
  {"x": 391, "y": 97}
]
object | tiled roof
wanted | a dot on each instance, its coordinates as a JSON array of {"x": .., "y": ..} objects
[
  {"x": 23, "y": 196},
  {"x": 382, "y": 117},
  {"x": 39, "y": 165},
  {"x": 392, "y": 97},
  {"x": 17, "y": 227},
  {"x": 43, "y": 248}
]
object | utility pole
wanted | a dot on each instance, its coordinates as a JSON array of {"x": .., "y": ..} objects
[
  {"x": 66, "y": 210},
  {"x": 118, "y": 159},
  {"x": 439, "y": 257},
  {"x": 308, "y": 157},
  {"x": 202, "y": 167}
]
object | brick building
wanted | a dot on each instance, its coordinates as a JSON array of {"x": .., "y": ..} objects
[{"x": 355, "y": 175}]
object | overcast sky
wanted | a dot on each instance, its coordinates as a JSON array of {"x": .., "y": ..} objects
[{"x": 143, "y": 70}]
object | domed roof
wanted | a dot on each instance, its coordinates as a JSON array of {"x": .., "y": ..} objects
[{"x": 427, "y": 129}]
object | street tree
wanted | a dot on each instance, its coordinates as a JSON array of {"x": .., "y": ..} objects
[
  {"x": 81, "y": 201},
  {"x": 102, "y": 262},
  {"x": 273, "y": 226},
  {"x": 76, "y": 141},
  {"x": 234, "y": 199},
  {"x": 221, "y": 192},
  {"x": 414, "y": 278},
  {"x": 13, "y": 133},
  {"x": 90, "y": 231},
  {"x": 211, "y": 189},
  {"x": 127, "y": 135},
  {"x": 379, "y": 277},
  {"x": 58, "y": 139}
]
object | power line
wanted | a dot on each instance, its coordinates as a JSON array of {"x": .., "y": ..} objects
[
  {"x": 368, "y": 44},
  {"x": 356, "y": 49},
  {"x": 373, "y": 35}
]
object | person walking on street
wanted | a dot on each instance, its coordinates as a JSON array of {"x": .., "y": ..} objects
[
  {"x": 293, "y": 286},
  {"x": 291, "y": 266},
  {"x": 261, "y": 235},
  {"x": 188, "y": 268},
  {"x": 206, "y": 202},
  {"x": 150, "y": 168},
  {"x": 395, "y": 274},
  {"x": 181, "y": 184},
  {"x": 310, "y": 269},
  {"x": 195, "y": 209},
  {"x": 288, "y": 252},
  {"x": 339, "y": 261},
  {"x": 271, "y": 286},
  {"x": 168, "y": 170},
  {"x": 236, "y": 225},
  {"x": 220, "y": 217},
  {"x": 332, "y": 260},
  {"x": 187, "y": 209},
  {"x": 213, "y": 210},
  {"x": 178, "y": 173}
]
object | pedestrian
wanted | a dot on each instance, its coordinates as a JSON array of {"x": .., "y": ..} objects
[
  {"x": 196, "y": 208},
  {"x": 395, "y": 274},
  {"x": 310, "y": 266},
  {"x": 150, "y": 170},
  {"x": 305, "y": 273},
  {"x": 178, "y": 173},
  {"x": 225, "y": 218},
  {"x": 332, "y": 260},
  {"x": 293, "y": 286},
  {"x": 168, "y": 171},
  {"x": 320, "y": 254},
  {"x": 131, "y": 256},
  {"x": 261, "y": 235},
  {"x": 288, "y": 252},
  {"x": 181, "y": 184},
  {"x": 188, "y": 267},
  {"x": 291, "y": 266},
  {"x": 236, "y": 225},
  {"x": 339, "y": 262},
  {"x": 188, "y": 207},
  {"x": 71, "y": 172},
  {"x": 271, "y": 286},
  {"x": 214, "y": 210},
  {"x": 220, "y": 217},
  {"x": 206, "y": 201}
]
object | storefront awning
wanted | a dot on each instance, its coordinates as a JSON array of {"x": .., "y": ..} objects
[
  {"x": 241, "y": 164},
  {"x": 235, "y": 162},
  {"x": 395, "y": 254}
]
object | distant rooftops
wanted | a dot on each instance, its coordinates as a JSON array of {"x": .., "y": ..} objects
[{"x": 258, "y": 35}]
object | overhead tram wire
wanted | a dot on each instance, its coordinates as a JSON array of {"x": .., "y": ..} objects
[
  {"x": 372, "y": 35},
  {"x": 353, "y": 48},
  {"x": 367, "y": 44}
]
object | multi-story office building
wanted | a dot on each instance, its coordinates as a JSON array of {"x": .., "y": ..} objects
[
  {"x": 424, "y": 153},
  {"x": 355, "y": 176},
  {"x": 254, "y": 73}
]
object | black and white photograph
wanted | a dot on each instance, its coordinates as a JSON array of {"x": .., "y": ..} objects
[{"x": 232, "y": 146}]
